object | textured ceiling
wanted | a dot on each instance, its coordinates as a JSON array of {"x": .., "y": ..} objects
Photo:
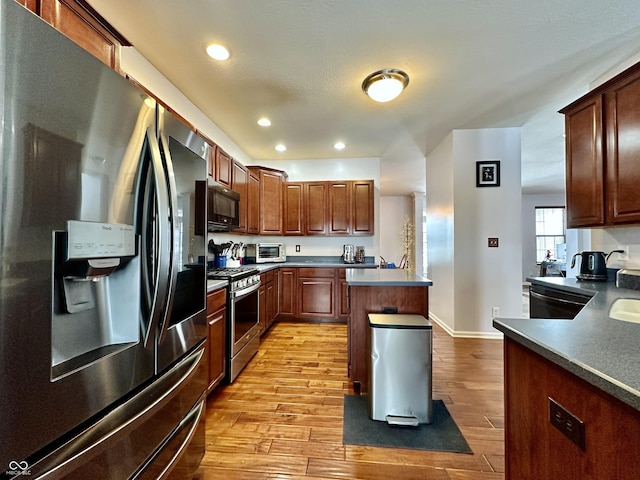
[{"x": 301, "y": 63}]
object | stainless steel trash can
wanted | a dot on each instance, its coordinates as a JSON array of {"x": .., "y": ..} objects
[{"x": 400, "y": 385}]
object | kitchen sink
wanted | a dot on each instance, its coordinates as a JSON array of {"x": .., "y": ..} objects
[{"x": 626, "y": 309}]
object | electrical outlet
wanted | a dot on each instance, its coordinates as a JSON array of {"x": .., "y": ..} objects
[
  {"x": 495, "y": 311},
  {"x": 570, "y": 425},
  {"x": 297, "y": 248}
]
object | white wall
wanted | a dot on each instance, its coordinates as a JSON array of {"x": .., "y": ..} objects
[
  {"x": 440, "y": 233},
  {"x": 469, "y": 277},
  {"x": 529, "y": 203},
  {"x": 393, "y": 210}
]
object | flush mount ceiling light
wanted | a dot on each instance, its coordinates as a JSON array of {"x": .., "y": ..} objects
[
  {"x": 339, "y": 146},
  {"x": 264, "y": 122},
  {"x": 218, "y": 52},
  {"x": 281, "y": 148},
  {"x": 385, "y": 85}
]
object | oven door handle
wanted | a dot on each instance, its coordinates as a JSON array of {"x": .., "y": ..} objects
[{"x": 245, "y": 291}]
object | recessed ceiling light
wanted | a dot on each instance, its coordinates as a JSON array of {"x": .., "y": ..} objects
[
  {"x": 264, "y": 122},
  {"x": 218, "y": 52},
  {"x": 339, "y": 146},
  {"x": 281, "y": 148}
]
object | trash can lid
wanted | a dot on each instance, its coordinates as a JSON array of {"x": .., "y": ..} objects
[{"x": 384, "y": 320}]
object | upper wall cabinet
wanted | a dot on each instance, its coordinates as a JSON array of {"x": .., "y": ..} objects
[
  {"x": 81, "y": 23},
  {"x": 603, "y": 147},
  {"x": 271, "y": 183},
  {"x": 222, "y": 167},
  {"x": 338, "y": 208}
]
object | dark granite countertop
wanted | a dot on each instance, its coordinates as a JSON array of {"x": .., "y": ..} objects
[
  {"x": 383, "y": 277},
  {"x": 593, "y": 346}
]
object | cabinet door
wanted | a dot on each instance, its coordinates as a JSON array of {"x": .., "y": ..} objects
[
  {"x": 85, "y": 27},
  {"x": 339, "y": 208},
  {"x": 262, "y": 307},
  {"x": 240, "y": 185},
  {"x": 223, "y": 167},
  {"x": 30, "y": 4},
  {"x": 270, "y": 203},
  {"x": 316, "y": 292},
  {"x": 293, "y": 208},
  {"x": 622, "y": 110},
  {"x": 271, "y": 303},
  {"x": 362, "y": 222},
  {"x": 216, "y": 345},
  {"x": 316, "y": 196},
  {"x": 343, "y": 294},
  {"x": 287, "y": 292},
  {"x": 253, "y": 207},
  {"x": 585, "y": 164}
]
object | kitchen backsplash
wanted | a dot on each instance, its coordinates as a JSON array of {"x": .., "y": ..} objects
[
  {"x": 626, "y": 238},
  {"x": 309, "y": 246}
]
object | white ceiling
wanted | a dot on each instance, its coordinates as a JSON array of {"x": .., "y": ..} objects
[{"x": 301, "y": 63}]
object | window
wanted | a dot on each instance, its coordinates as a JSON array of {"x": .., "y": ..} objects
[{"x": 550, "y": 232}]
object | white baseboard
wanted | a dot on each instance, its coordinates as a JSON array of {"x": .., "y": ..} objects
[{"x": 456, "y": 334}]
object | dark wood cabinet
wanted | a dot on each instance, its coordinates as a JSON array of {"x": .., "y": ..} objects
[
  {"x": 362, "y": 194},
  {"x": 82, "y": 24},
  {"x": 316, "y": 195},
  {"x": 287, "y": 292},
  {"x": 240, "y": 185},
  {"x": 339, "y": 208},
  {"x": 253, "y": 204},
  {"x": 622, "y": 126},
  {"x": 267, "y": 300},
  {"x": 534, "y": 448},
  {"x": 343, "y": 294},
  {"x": 223, "y": 167},
  {"x": 262, "y": 306},
  {"x": 602, "y": 151},
  {"x": 585, "y": 165},
  {"x": 316, "y": 293},
  {"x": 216, "y": 344},
  {"x": 351, "y": 210},
  {"x": 271, "y": 205},
  {"x": 294, "y": 209}
]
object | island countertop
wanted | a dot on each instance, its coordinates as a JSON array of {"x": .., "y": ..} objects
[
  {"x": 382, "y": 277},
  {"x": 593, "y": 346}
]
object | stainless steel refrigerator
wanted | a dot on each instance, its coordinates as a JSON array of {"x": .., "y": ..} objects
[{"x": 102, "y": 297}]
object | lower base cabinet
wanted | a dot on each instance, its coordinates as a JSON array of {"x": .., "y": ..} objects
[
  {"x": 536, "y": 449},
  {"x": 216, "y": 336},
  {"x": 267, "y": 300}
]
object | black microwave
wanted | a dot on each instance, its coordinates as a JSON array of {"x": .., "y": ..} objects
[{"x": 223, "y": 208}]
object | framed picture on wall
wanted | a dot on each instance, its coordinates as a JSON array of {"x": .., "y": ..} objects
[{"x": 488, "y": 173}]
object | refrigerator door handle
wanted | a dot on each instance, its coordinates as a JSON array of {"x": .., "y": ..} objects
[
  {"x": 174, "y": 235},
  {"x": 162, "y": 243}
]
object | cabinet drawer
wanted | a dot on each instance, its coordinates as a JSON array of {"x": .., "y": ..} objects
[
  {"x": 216, "y": 300},
  {"x": 267, "y": 277},
  {"x": 306, "y": 272}
]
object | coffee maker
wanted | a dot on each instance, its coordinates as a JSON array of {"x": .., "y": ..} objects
[{"x": 348, "y": 254}]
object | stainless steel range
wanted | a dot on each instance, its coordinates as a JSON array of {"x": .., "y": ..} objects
[{"x": 243, "y": 327}]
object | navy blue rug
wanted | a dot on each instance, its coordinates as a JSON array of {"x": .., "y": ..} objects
[{"x": 441, "y": 435}]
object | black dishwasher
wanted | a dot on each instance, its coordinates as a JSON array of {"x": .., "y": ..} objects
[{"x": 546, "y": 302}]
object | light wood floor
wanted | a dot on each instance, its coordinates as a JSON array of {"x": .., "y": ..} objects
[{"x": 282, "y": 417}]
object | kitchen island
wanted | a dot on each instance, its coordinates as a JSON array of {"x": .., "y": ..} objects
[
  {"x": 590, "y": 366},
  {"x": 379, "y": 291}
]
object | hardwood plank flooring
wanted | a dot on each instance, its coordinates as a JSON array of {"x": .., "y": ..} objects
[{"x": 282, "y": 417}]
